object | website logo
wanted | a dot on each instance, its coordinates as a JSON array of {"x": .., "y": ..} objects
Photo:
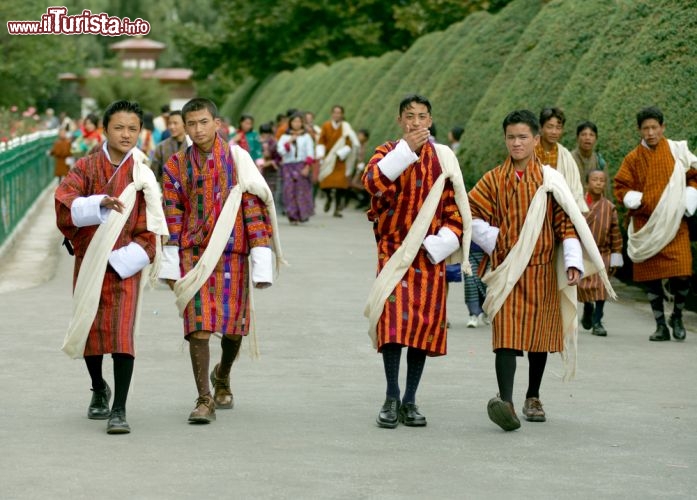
[{"x": 56, "y": 21}]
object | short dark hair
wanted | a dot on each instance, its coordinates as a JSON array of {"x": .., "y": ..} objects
[
  {"x": 548, "y": 113},
  {"x": 176, "y": 112},
  {"x": 121, "y": 106},
  {"x": 649, "y": 113},
  {"x": 164, "y": 108},
  {"x": 364, "y": 131},
  {"x": 586, "y": 125},
  {"x": 343, "y": 112},
  {"x": 198, "y": 104},
  {"x": 524, "y": 116},
  {"x": 457, "y": 132},
  {"x": 266, "y": 128},
  {"x": 290, "y": 112},
  {"x": 414, "y": 98},
  {"x": 588, "y": 174},
  {"x": 246, "y": 116},
  {"x": 297, "y": 114},
  {"x": 93, "y": 119}
]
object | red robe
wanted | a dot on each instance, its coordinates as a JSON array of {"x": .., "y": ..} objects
[{"x": 112, "y": 330}]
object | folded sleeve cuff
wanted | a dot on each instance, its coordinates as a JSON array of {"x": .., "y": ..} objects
[
  {"x": 396, "y": 161},
  {"x": 343, "y": 152},
  {"x": 129, "y": 260},
  {"x": 86, "y": 211},
  {"x": 690, "y": 201},
  {"x": 262, "y": 265},
  {"x": 484, "y": 235},
  {"x": 573, "y": 254},
  {"x": 616, "y": 260},
  {"x": 169, "y": 267},
  {"x": 320, "y": 151},
  {"x": 440, "y": 246},
  {"x": 632, "y": 200}
]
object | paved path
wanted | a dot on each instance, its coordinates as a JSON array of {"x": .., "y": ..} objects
[{"x": 303, "y": 426}]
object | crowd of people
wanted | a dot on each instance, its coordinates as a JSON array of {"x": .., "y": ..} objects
[{"x": 212, "y": 235}]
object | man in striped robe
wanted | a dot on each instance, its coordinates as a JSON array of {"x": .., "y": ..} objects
[
  {"x": 530, "y": 317},
  {"x": 196, "y": 184},
  {"x": 603, "y": 223},
  {"x": 398, "y": 178},
  {"x": 84, "y": 200},
  {"x": 641, "y": 182}
]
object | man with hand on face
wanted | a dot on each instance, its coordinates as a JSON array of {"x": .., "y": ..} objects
[
  {"x": 657, "y": 182},
  {"x": 111, "y": 249},
  {"x": 218, "y": 209},
  {"x": 528, "y": 311},
  {"x": 420, "y": 217}
]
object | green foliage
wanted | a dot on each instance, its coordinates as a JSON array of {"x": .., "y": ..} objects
[{"x": 150, "y": 94}]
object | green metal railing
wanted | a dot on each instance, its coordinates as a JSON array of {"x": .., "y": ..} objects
[{"x": 25, "y": 171}]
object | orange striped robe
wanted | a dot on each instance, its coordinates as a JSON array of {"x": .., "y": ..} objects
[
  {"x": 337, "y": 179},
  {"x": 647, "y": 171},
  {"x": 547, "y": 158},
  {"x": 414, "y": 314},
  {"x": 112, "y": 330},
  {"x": 530, "y": 318},
  {"x": 603, "y": 223}
]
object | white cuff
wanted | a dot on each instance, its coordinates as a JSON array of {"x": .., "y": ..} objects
[
  {"x": 632, "y": 200},
  {"x": 169, "y": 266},
  {"x": 616, "y": 260},
  {"x": 690, "y": 201},
  {"x": 262, "y": 265},
  {"x": 320, "y": 151},
  {"x": 86, "y": 211},
  {"x": 129, "y": 260},
  {"x": 396, "y": 161},
  {"x": 342, "y": 153},
  {"x": 573, "y": 254},
  {"x": 484, "y": 235},
  {"x": 440, "y": 246}
]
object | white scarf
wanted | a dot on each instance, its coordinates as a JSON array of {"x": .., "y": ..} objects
[
  {"x": 567, "y": 167},
  {"x": 500, "y": 281},
  {"x": 248, "y": 180},
  {"x": 327, "y": 165},
  {"x": 91, "y": 276},
  {"x": 665, "y": 220},
  {"x": 395, "y": 268}
]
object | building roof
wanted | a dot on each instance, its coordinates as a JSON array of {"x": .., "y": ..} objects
[{"x": 138, "y": 44}]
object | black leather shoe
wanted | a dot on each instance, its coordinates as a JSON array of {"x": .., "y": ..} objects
[
  {"x": 599, "y": 330},
  {"x": 678, "y": 328},
  {"x": 99, "y": 405},
  {"x": 587, "y": 318},
  {"x": 660, "y": 334},
  {"x": 409, "y": 415},
  {"x": 388, "y": 414},
  {"x": 117, "y": 422}
]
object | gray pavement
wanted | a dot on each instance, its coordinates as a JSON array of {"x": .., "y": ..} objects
[{"x": 304, "y": 421}]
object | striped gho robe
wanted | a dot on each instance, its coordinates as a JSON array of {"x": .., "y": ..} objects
[
  {"x": 414, "y": 314},
  {"x": 112, "y": 330},
  {"x": 530, "y": 318},
  {"x": 647, "y": 171},
  {"x": 603, "y": 223},
  {"x": 195, "y": 188}
]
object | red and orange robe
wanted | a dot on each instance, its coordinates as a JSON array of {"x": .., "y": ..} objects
[
  {"x": 530, "y": 318},
  {"x": 195, "y": 188},
  {"x": 603, "y": 223},
  {"x": 112, "y": 330},
  {"x": 648, "y": 171},
  {"x": 414, "y": 314},
  {"x": 328, "y": 136}
]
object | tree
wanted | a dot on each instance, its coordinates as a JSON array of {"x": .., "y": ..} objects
[{"x": 150, "y": 94}]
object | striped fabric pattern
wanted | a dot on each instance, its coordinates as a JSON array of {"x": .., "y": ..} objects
[
  {"x": 414, "y": 314},
  {"x": 648, "y": 171},
  {"x": 530, "y": 318},
  {"x": 547, "y": 157},
  {"x": 328, "y": 137},
  {"x": 195, "y": 190},
  {"x": 603, "y": 223},
  {"x": 112, "y": 330}
]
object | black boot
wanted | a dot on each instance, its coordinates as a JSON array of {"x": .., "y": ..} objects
[
  {"x": 678, "y": 328},
  {"x": 99, "y": 405},
  {"x": 660, "y": 334},
  {"x": 587, "y": 318}
]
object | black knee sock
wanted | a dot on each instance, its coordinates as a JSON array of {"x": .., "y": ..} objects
[
  {"x": 94, "y": 368},
  {"x": 587, "y": 308},
  {"x": 538, "y": 361},
  {"x": 505, "y": 373},
  {"x": 391, "y": 355},
  {"x": 123, "y": 370},
  {"x": 416, "y": 359},
  {"x": 655, "y": 294},
  {"x": 680, "y": 288},
  {"x": 230, "y": 347},
  {"x": 598, "y": 312}
]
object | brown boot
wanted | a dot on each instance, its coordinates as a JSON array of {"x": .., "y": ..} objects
[
  {"x": 204, "y": 412},
  {"x": 222, "y": 395}
]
